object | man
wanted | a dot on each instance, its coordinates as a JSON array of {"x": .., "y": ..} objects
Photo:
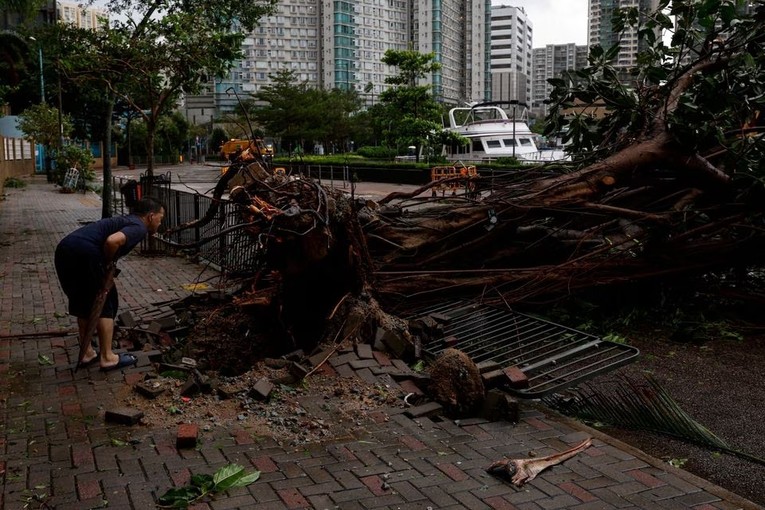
[{"x": 84, "y": 257}]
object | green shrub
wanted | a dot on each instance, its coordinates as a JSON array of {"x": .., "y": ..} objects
[
  {"x": 73, "y": 156},
  {"x": 376, "y": 152},
  {"x": 14, "y": 182}
]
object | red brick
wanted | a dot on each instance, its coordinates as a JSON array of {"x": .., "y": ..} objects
[
  {"x": 327, "y": 370},
  {"x": 537, "y": 424},
  {"x": 705, "y": 506},
  {"x": 375, "y": 484},
  {"x": 265, "y": 464},
  {"x": 453, "y": 472},
  {"x": 477, "y": 432},
  {"x": 66, "y": 391},
  {"x": 378, "y": 416},
  {"x": 199, "y": 506},
  {"x": 646, "y": 479},
  {"x": 346, "y": 454},
  {"x": 58, "y": 343},
  {"x": 499, "y": 503},
  {"x": 413, "y": 443},
  {"x": 82, "y": 455},
  {"x": 123, "y": 415},
  {"x": 241, "y": 436},
  {"x": 293, "y": 499},
  {"x": 187, "y": 435},
  {"x": 88, "y": 489},
  {"x": 133, "y": 378},
  {"x": 408, "y": 386},
  {"x": 181, "y": 478},
  {"x": 382, "y": 358},
  {"x": 594, "y": 452},
  {"x": 516, "y": 377},
  {"x": 577, "y": 492},
  {"x": 71, "y": 409},
  {"x": 165, "y": 449}
]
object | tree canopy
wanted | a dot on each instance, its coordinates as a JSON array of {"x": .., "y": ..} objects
[
  {"x": 408, "y": 113},
  {"x": 298, "y": 114}
]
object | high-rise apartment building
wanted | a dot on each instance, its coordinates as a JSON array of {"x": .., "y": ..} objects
[
  {"x": 600, "y": 30},
  {"x": 511, "y": 54},
  {"x": 340, "y": 44},
  {"x": 550, "y": 62},
  {"x": 78, "y": 14}
]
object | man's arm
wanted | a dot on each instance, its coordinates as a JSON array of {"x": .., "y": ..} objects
[{"x": 112, "y": 244}]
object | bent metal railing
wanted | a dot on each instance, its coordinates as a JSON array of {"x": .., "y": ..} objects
[
  {"x": 553, "y": 357},
  {"x": 229, "y": 252}
]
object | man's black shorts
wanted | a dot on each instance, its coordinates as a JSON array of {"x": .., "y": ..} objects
[{"x": 81, "y": 278}]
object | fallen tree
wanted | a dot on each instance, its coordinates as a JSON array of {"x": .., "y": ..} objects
[{"x": 666, "y": 183}]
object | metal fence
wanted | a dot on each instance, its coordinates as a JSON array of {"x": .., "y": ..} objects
[{"x": 218, "y": 242}]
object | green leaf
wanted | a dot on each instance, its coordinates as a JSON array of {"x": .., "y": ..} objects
[
  {"x": 44, "y": 360},
  {"x": 247, "y": 479},
  {"x": 203, "y": 481},
  {"x": 227, "y": 476},
  {"x": 179, "y": 497},
  {"x": 678, "y": 463}
]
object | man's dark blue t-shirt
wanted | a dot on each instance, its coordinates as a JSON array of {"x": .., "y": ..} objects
[{"x": 89, "y": 240}]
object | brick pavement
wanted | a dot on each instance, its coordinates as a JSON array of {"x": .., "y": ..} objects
[{"x": 56, "y": 450}]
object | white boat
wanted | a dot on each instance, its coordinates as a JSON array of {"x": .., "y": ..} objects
[{"x": 492, "y": 135}]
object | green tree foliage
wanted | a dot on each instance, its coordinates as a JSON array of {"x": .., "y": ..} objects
[
  {"x": 171, "y": 136},
  {"x": 155, "y": 50},
  {"x": 700, "y": 97},
  {"x": 217, "y": 138},
  {"x": 13, "y": 62},
  {"x": 74, "y": 156},
  {"x": 407, "y": 113},
  {"x": 39, "y": 123},
  {"x": 299, "y": 115}
]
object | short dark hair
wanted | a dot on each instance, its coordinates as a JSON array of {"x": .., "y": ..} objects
[{"x": 147, "y": 205}]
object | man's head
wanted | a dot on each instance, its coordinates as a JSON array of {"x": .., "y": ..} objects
[{"x": 151, "y": 211}]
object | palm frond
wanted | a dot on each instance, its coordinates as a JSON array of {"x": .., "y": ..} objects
[{"x": 646, "y": 405}]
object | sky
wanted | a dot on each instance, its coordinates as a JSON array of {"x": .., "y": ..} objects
[{"x": 554, "y": 21}]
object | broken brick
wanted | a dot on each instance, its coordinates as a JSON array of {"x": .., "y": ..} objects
[
  {"x": 149, "y": 390},
  {"x": 126, "y": 319},
  {"x": 516, "y": 377},
  {"x": 262, "y": 389},
  {"x": 493, "y": 379},
  {"x": 187, "y": 435},
  {"x": 123, "y": 415},
  {"x": 298, "y": 371}
]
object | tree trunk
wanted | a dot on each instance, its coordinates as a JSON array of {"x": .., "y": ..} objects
[
  {"x": 106, "y": 158},
  {"x": 151, "y": 128}
]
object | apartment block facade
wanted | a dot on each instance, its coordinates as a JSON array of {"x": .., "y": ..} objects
[
  {"x": 511, "y": 54},
  {"x": 600, "y": 30},
  {"x": 340, "y": 44},
  {"x": 550, "y": 62}
]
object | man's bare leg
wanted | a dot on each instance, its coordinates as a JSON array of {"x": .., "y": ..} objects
[
  {"x": 105, "y": 328},
  {"x": 90, "y": 353}
]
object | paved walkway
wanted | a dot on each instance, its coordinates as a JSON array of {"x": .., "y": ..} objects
[{"x": 56, "y": 449}]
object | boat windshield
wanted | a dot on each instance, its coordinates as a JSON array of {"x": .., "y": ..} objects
[{"x": 464, "y": 116}]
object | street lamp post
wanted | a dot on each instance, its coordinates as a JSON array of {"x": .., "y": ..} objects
[{"x": 42, "y": 78}]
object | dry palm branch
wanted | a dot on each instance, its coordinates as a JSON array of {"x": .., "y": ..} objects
[{"x": 645, "y": 405}]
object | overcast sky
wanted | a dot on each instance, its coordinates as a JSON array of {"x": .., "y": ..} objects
[{"x": 554, "y": 21}]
